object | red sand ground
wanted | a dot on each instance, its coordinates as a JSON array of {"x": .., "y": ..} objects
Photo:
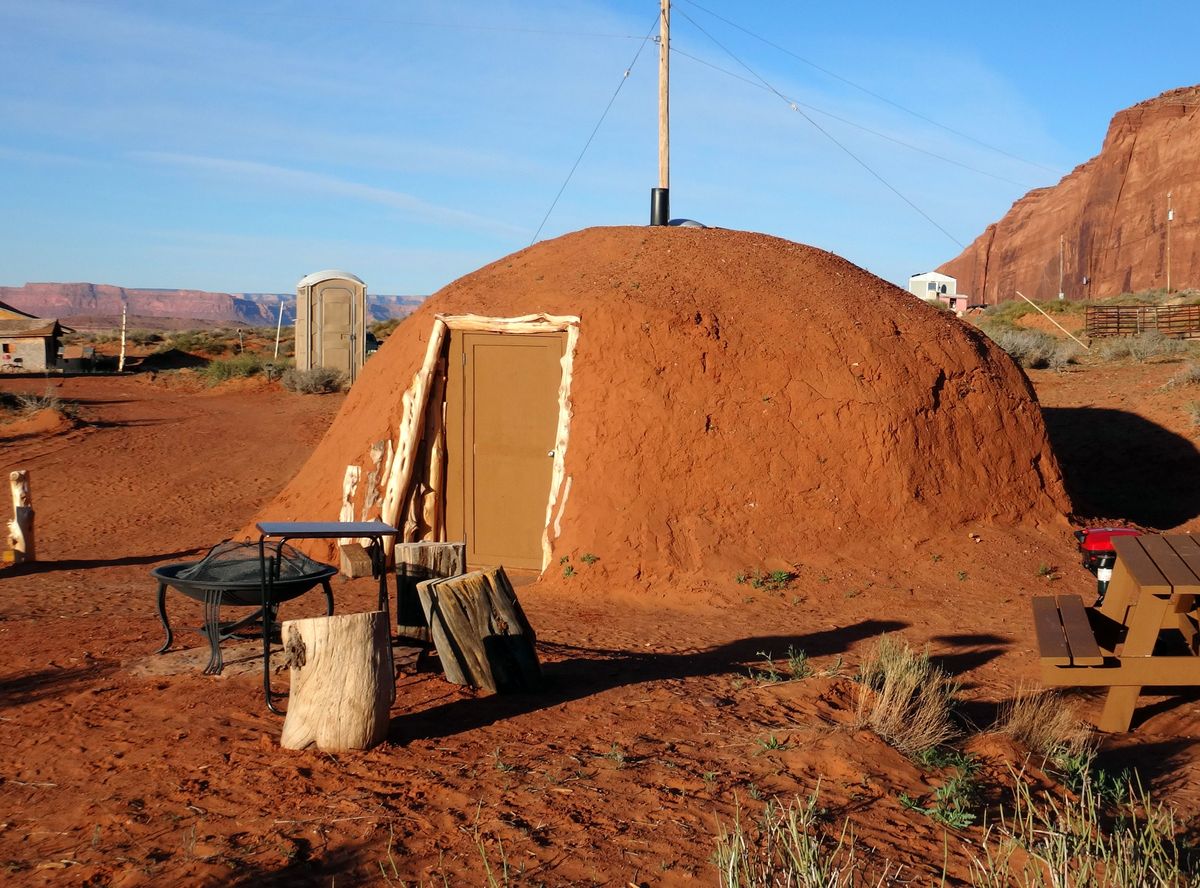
[
  {"x": 617, "y": 773},
  {"x": 647, "y": 734}
]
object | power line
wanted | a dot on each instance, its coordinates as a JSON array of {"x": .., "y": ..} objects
[
  {"x": 870, "y": 92},
  {"x": 865, "y": 129},
  {"x": 795, "y": 107},
  {"x": 595, "y": 130}
]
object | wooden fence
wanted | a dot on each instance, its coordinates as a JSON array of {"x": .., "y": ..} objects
[{"x": 1178, "y": 321}]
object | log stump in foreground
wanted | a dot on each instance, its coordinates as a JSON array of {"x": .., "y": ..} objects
[
  {"x": 415, "y": 563},
  {"x": 343, "y": 682},
  {"x": 481, "y": 634}
]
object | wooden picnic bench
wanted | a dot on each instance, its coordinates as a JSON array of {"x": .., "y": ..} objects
[{"x": 1151, "y": 604}]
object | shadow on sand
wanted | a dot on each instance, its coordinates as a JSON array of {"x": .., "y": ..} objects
[
  {"x": 582, "y": 672},
  {"x": 1118, "y": 465}
]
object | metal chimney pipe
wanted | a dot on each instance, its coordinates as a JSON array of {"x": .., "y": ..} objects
[{"x": 660, "y": 206}]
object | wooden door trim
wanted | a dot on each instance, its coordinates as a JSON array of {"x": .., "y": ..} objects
[{"x": 415, "y": 403}]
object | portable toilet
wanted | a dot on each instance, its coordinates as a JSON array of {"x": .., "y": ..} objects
[{"x": 331, "y": 322}]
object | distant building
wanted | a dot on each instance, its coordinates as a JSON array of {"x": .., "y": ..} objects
[
  {"x": 28, "y": 345},
  {"x": 935, "y": 287}
]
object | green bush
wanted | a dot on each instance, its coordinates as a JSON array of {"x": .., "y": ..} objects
[
  {"x": 237, "y": 367},
  {"x": 384, "y": 329},
  {"x": 314, "y": 381}
]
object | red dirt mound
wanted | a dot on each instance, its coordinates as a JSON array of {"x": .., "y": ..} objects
[{"x": 733, "y": 395}]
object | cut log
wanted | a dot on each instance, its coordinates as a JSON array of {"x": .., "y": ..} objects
[
  {"x": 415, "y": 563},
  {"x": 355, "y": 560},
  {"x": 342, "y": 682},
  {"x": 481, "y": 634},
  {"x": 20, "y": 529}
]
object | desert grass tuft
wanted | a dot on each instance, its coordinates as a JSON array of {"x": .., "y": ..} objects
[
  {"x": 1188, "y": 376},
  {"x": 1073, "y": 839},
  {"x": 787, "y": 846},
  {"x": 1045, "y": 724},
  {"x": 1032, "y": 349},
  {"x": 1141, "y": 348},
  {"x": 904, "y": 698}
]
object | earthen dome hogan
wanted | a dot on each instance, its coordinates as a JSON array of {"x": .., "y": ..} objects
[{"x": 735, "y": 399}]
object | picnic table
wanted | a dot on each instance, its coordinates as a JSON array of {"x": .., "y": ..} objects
[{"x": 1143, "y": 634}]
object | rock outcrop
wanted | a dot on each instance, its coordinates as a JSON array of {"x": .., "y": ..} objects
[
  {"x": 65, "y": 301},
  {"x": 1110, "y": 213}
]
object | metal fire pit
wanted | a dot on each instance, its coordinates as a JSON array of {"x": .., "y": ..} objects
[{"x": 232, "y": 574}]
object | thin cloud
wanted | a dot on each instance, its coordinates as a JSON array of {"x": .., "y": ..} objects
[{"x": 319, "y": 183}]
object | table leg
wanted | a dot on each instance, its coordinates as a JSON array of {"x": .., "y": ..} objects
[
  {"x": 212, "y": 628},
  {"x": 328, "y": 597},
  {"x": 162, "y": 615},
  {"x": 1145, "y": 622}
]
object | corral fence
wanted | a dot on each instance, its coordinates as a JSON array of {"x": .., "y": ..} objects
[{"x": 1178, "y": 321}]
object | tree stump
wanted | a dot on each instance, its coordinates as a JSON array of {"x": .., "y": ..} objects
[
  {"x": 20, "y": 529},
  {"x": 415, "y": 563},
  {"x": 481, "y": 634},
  {"x": 342, "y": 681}
]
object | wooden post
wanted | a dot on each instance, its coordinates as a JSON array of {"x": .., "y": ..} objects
[
  {"x": 416, "y": 563},
  {"x": 664, "y": 96},
  {"x": 481, "y": 634},
  {"x": 121, "y": 359},
  {"x": 20, "y": 529},
  {"x": 342, "y": 682}
]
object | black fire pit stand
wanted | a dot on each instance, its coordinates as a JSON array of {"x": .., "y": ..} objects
[{"x": 279, "y": 532}]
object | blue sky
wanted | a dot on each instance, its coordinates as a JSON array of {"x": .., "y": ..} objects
[{"x": 237, "y": 146}]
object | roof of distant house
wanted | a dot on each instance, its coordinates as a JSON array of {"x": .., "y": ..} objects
[
  {"x": 7, "y": 312},
  {"x": 29, "y": 328}
]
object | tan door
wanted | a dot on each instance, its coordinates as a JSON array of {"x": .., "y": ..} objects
[
  {"x": 501, "y": 419},
  {"x": 336, "y": 312}
]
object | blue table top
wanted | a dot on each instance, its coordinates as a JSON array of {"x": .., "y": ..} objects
[{"x": 319, "y": 530}]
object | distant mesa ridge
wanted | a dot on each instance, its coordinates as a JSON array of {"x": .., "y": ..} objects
[
  {"x": 1111, "y": 213},
  {"x": 58, "y": 300}
]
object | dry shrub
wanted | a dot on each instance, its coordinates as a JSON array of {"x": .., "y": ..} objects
[
  {"x": 1189, "y": 375},
  {"x": 904, "y": 698},
  {"x": 1045, "y": 724},
  {"x": 1033, "y": 349},
  {"x": 1141, "y": 348},
  {"x": 314, "y": 381}
]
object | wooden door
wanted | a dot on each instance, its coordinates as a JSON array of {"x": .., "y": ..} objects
[
  {"x": 501, "y": 421},
  {"x": 336, "y": 311}
]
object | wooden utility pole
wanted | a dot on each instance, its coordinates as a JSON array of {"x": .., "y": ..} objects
[
  {"x": 1061, "y": 240},
  {"x": 121, "y": 359},
  {"x": 660, "y": 200},
  {"x": 1170, "y": 218},
  {"x": 664, "y": 98},
  {"x": 278, "y": 328}
]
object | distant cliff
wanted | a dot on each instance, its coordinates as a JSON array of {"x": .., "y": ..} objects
[
  {"x": 1110, "y": 212},
  {"x": 65, "y": 301}
]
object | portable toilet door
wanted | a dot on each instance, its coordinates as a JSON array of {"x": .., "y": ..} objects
[{"x": 331, "y": 322}]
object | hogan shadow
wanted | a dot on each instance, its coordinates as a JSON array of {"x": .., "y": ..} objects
[
  {"x": 1116, "y": 464},
  {"x": 582, "y": 672}
]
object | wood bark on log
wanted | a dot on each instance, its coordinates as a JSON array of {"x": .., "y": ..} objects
[
  {"x": 481, "y": 634},
  {"x": 342, "y": 682},
  {"x": 415, "y": 563},
  {"x": 20, "y": 528}
]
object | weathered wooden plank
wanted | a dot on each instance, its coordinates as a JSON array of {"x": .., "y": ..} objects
[
  {"x": 1170, "y": 565},
  {"x": 1078, "y": 630},
  {"x": 416, "y": 563},
  {"x": 1140, "y": 565},
  {"x": 482, "y": 636},
  {"x": 1052, "y": 643},
  {"x": 1135, "y": 672}
]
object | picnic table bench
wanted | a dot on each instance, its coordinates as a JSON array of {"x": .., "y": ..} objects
[{"x": 1121, "y": 643}]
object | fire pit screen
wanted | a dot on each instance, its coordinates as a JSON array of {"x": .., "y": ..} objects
[{"x": 232, "y": 574}]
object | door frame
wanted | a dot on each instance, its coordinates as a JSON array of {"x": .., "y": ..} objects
[
  {"x": 460, "y": 503},
  {"x": 416, "y": 403}
]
